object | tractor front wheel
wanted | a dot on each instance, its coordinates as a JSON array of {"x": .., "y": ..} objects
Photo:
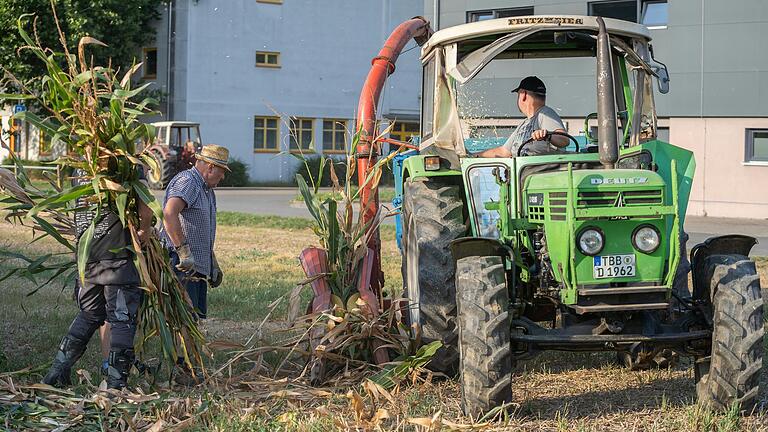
[
  {"x": 433, "y": 215},
  {"x": 484, "y": 334},
  {"x": 731, "y": 374}
]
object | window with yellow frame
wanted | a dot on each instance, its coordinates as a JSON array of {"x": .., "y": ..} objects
[
  {"x": 266, "y": 134},
  {"x": 403, "y": 131},
  {"x": 334, "y": 133},
  {"x": 302, "y": 132},
  {"x": 45, "y": 146},
  {"x": 269, "y": 59}
]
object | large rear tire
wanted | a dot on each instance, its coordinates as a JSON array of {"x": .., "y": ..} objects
[
  {"x": 484, "y": 334},
  {"x": 731, "y": 375},
  {"x": 159, "y": 179},
  {"x": 433, "y": 216}
]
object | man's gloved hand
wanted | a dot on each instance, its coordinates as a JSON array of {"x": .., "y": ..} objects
[
  {"x": 186, "y": 260},
  {"x": 216, "y": 275}
]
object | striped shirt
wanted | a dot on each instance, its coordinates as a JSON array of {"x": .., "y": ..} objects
[{"x": 198, "y": 219}]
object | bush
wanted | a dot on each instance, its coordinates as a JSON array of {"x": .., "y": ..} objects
[
  {"x": 239, "y": 175},
  {"x": 387, "y": 178}
]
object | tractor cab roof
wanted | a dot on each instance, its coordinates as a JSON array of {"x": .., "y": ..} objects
[{"x": 488, "y": 31}]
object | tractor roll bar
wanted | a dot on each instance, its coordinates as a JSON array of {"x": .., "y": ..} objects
[{"x": 606, "y": 100}]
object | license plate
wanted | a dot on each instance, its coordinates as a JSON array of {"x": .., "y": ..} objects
[{"x": 613, "y": 266}]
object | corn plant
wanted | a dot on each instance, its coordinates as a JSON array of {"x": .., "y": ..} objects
[
  {"x": 96, "y": 113},
  {"x": 351, "y": 332}
]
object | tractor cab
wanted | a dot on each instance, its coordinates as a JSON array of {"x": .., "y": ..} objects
[
  {"x": 578, "y": 249},
  {"x": 173, "y": 149}
]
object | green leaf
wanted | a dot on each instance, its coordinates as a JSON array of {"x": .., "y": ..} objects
[
  {"x": 309, "y": 200},
  {"x": 333, "y": 231},
  {"x": 84, "y": 246},
  {"x": 53, "y": 232},
  {"x": 121, "y": 201},
  {"x": 149, "y": 199},
  {"x": 62, "y": 198}
]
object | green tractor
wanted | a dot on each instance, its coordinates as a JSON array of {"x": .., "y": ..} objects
[{"x": 579, "y": 250}]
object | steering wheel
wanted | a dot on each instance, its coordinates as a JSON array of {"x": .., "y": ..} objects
[{"x": 549, "y": 135}]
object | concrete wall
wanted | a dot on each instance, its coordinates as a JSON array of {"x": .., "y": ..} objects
[
  {"x": 724, "y": 186},
  {"x": 326, "y": 50}
]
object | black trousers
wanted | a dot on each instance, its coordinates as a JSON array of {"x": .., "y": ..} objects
[{"x": 117, "y": 304}]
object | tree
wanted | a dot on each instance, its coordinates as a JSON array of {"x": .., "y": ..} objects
[{"x": 125, "y": 26}]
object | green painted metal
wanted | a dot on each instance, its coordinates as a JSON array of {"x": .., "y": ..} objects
[
  {"x": 571, "y": 199},
  {"x": 413, "y": 167},
  {"x": 627, "y": 99}
]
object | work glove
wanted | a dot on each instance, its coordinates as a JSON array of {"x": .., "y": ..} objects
[
  {"x": 186, "y": 260},
  {"x": 216, "y": 275}
]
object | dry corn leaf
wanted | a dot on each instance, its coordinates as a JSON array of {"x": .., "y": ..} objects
[
  {"x": 357, "y": 404},
  {"x": 157, "y": 426},
  {"x": 376, "y": 391},
  {"x": 430, "y": 423}
]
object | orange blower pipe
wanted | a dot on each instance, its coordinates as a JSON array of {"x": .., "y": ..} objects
[{"x": 367, "y": 151}]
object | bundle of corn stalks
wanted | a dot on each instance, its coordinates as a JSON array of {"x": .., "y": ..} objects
[
  {"x": 39, "y": 407},
  {"x": 349, "y": 322},
  {"x": 96, "y": 113}
]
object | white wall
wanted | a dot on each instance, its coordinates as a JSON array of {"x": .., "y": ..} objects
[{"x": 326, "y": 50}]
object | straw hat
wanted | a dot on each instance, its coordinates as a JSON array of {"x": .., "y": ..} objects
[{"x": 215, "y": 154}]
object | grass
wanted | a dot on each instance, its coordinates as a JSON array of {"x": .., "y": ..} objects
[
  {"x": 386, "y": 194},
  {"x": 555, "y": 391}
]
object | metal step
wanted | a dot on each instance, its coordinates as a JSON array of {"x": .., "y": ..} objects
[
  {"x": 621, "y": 307},
  {"x": 622, "y": 290}
]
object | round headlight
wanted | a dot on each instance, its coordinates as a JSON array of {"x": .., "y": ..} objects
[
  {"x": 646, "y": 239},
  {"x": 591, "y": 241}
]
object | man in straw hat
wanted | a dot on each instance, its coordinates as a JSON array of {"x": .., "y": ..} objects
[{"x": 189, "y": 224}]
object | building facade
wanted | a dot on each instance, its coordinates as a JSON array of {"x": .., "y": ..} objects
[
  {"x": 719, "y": 83},
  {"x": 265, "y": 77}
]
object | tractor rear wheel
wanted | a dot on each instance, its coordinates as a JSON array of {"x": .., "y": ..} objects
[
  {"x": 731, "y": 374},
  {"x": 159, "y": 179},
  {"x": 433, "y": 216},
  {"x": 484, "y": 333}
]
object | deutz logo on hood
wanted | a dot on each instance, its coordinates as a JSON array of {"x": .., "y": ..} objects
[{"x": 627, "y": 180}]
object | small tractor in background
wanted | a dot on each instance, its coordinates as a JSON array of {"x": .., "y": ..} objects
[
  {"x": 174, "y": 148},
  {"x": 576, "y": 251}
]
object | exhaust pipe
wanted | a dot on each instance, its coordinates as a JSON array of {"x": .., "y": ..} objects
[{"x": 607, "y": 137}]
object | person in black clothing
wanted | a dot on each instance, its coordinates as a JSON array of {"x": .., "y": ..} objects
[{"x": 110, "y": 292}]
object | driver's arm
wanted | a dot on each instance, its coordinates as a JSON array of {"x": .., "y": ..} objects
[
  {"x": 559, "y": 141},
  {"x": 501, "y": 151},
  {"x": 549, "y": 121}
]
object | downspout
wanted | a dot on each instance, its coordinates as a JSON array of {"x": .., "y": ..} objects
[
  {"x": 169, "y": 63},
  {"x": 367, "y": 151},
  {"x": 436, "y": 14},
  {"x": 606, "y": 101}
]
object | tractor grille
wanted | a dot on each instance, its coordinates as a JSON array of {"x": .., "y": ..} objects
[
  {"x": 619, "y": 198},
  {"x": 558, "y": 205},
  {"x": 536, "y": 213}
]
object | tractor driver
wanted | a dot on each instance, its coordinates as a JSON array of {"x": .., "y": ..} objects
[{"x": 540, "y": 120}]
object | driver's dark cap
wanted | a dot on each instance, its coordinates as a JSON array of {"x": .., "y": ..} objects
[{"x": 532, "y": 84}]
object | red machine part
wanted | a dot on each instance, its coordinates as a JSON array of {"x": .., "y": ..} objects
[{"x": 367, "y": 152}]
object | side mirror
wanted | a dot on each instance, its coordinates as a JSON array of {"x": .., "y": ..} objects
[
  {"x": 662, "y": 79},
  {"x": 662, "y": 74}
]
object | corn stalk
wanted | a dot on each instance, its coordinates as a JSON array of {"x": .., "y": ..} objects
[
  {"x": 95, "y": 113},
  {"x": 350, "y": 330}
]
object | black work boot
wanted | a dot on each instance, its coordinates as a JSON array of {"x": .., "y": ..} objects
[
  {"x": 70, "y": 351},
  {"x": 120, "y": 363}
]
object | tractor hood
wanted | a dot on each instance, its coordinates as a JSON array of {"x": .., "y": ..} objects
[{"x": 597, "y": 180}]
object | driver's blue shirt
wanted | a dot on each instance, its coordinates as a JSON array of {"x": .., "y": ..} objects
[{"x": 544, "y": 118}]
